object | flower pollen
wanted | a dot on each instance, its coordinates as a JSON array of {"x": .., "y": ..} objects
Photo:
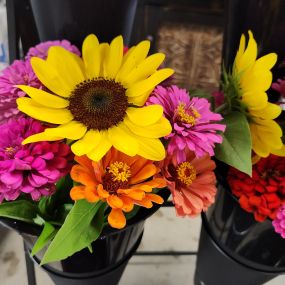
[
  {"x": 188, "y": 115},
  {"x": 186, "y": 173}
]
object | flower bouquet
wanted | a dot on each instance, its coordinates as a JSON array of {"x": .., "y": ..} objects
[
  {"x": 251, "y": 199},
  {"x": 92, "y": 142}
]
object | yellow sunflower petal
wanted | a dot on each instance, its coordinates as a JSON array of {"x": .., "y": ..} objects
[
  {"x": 91, "y": 56},
  {"x": 39, "y": 112},
  {"x": 271, "y": 111},
  {"x": 87, "y": 143},
  {"x": 279, "y": 152},
  {"x": 145, "y": 116},
  {"x": 40, "y": 137},
  {"x": 258, "y": 146},
  {"x": 266, "y": 62},
  {"x": 122, "y": 139},
  {"x": 157, "y": 130},
  {"x": 133, "y": 57},
  {"x": 144, "y": 69},
  {"x": 101, "y": 149},
  {"x": 104, "y": 50},
  {"x": 72, "y": 130},
  {"x": 44, "y": 98},
  {"x": 255, "y": 100},
  {"x": 114, "y": 58},
  {"x": 152, "y": 149},
  {"x": 240, "y": 50},
  {"x": 140, "y": 100},
  {"x": 145, "y": 85},
  {"x": 66, "y": 66},
  {"x": 50, "y": 78}
]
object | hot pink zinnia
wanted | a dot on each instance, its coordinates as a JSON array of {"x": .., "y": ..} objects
[
  {"x": 32, "y": 168},
  {"x": 192, "y": 183},
  {"x": 279, "y": 222},
  {"x": 20, "y": 72},
  {"x": 193, "y": 123},
  {"x": 41, "y": 50},
  {"x": 279, "y": 86}
]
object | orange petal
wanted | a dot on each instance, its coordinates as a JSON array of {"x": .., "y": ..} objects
[
  {"x": 98, "y": 171},
  {"x": 146, "y": 172},
  {"x": 149, "y": 185},
  {"x": 128, "y": 204},
  {"x": 79, "y": 174},
  {"x": 138, "y": 164},
  {"x": 136, "y": 194},
  {"x": 154, "y": 198},
  {"x": 144, "y": 203},
  {"x": 115, "y": 202},
  {"x": 91, "y": 195},
  {"x": 102, "y": 192},
  {"x": 77, "y": 193},
  {"x": 117, "y": 219},
  {"x": 84, "y": 161}
]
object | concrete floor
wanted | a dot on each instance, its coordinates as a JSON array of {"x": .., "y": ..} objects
[{"x": 163, "y": 232}]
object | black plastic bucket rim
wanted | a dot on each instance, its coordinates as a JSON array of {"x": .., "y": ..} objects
[{"x": 239, "y": 259}]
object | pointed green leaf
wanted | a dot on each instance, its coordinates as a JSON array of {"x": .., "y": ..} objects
[
  {"x": 82, "y": 226},
  {"x": 236, "y": 147},
  {"x": 21, "y": 210},
  {"x": 46, "y": 236}
]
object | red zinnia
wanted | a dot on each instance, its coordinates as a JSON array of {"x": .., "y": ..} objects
[{"x": 264, "y": 192}]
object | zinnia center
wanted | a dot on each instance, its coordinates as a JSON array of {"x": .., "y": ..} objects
[
  {"x": 99, "y": 103},
  {"x": 116, "y": 177},
  {"x": 187, "y": 115},
  {"x": 186, "y": 173}
]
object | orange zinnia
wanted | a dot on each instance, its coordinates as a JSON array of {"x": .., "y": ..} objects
[{"x": 120, "y": 180}]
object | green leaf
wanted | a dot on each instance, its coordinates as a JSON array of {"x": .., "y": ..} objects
[
  {"x": 21, "y": 210},
  {"x": 46, "y": 236},
  {"x": 82, "y": 226},
  {"x": 132, "y": 213},
  {"x": 236, "y": 147}
]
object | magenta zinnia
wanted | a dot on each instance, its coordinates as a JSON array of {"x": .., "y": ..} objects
[
  {"x": 194, "y": 125},
  {"x": 41, "y": 50},
  {"x": 279, "y": 222},
  {"x": 33, "y": 169},
  {"x": 20, "y": 72}
]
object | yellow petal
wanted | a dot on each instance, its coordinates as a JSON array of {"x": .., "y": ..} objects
[
  {"x": 72, "y": 130},
  {"x": 50, "y": 78},
  {"x": 122, "y": 139},
  {"x": 159, "y": 129},
  {"x": 279, "y": 152},
  {"x": 271, "y": 111},
  {"x": 132, "y": 58},
  {"x": 39, "y": 112},
  {"x": 44, "y": 98},
  {"x": 255, "y": 100},
  {"x": 258, "y": 146},
  {"x": 40, "y": 137},
  {"x": 87, "y": 143},
  {"x": 240, "y": 50},
  {"x": 64, "y": 63},
  {"x": 140, "y": 100},
  {"x": 152, "y": 149},
  {"x": 114, "y": 58},
  {"x": 144, "y": 69},
  {"x": 266, "y": 62},
  {"x": 91, "y": 56},
  {"x": 101, "y": 149},
  {"x": 145, "y": 85},
  {"x": 104, "y": 50},
  {"x": 145, "y": 116}
]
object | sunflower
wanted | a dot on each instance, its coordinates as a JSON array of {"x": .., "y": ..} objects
[
  {"x": 97, "y": 101},
  {"x": 254, "y": 78},
  {"x": 120, "y": 180}
]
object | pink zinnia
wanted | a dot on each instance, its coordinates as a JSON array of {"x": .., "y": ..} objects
[
  {"x": 32, "y": 168},
  {"x": 279, "y": 86},
  {"x": 192, "y": 183},
  {"x": 20, "y": 72},
  {"x": 194, "y": 125},
  {"x": 41, "y": 50},
  {"x": 279, "y": 222}
]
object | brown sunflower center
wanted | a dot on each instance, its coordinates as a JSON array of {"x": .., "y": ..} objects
[
  {"x": 99, "y": 103},
  {"x": 116, "y": 177}
]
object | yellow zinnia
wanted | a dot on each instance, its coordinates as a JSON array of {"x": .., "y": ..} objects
[
  {"x": 254, "y": 79},
  {"x": 97, "y": 100}
]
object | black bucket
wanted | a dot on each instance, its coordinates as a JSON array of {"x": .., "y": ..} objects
[{"x": 74, "y": 20}]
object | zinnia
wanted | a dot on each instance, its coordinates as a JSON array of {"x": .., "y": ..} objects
[
  {"x": 32, "y": 169},
  {"x": 41, "y": 50},
  {"x": 254, "y": 78},
  {"x": 264, "y": 192},
  {"x": 279, "y": 222},
  {"x": 194, "y": 125},
  {"x": 20, "y": 72},
  {"x": 191, "y": 182},
  {"x": 279, "y": 86},
  {"x": 118, "y": 179},
  {"x": 97, "y": 101}
]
